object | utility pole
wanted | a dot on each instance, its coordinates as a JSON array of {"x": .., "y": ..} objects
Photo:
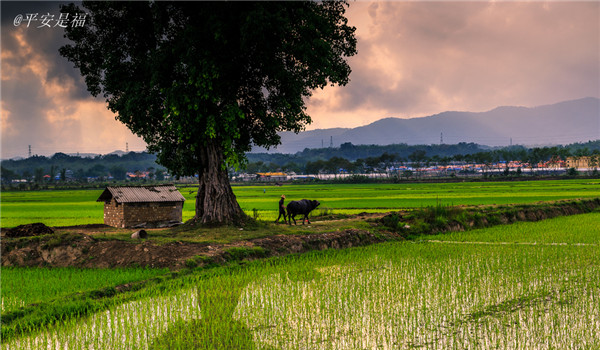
[
  {"x": 322, "y": 144},
  {"x": 441, "y": 138},
  {"x": 29, "y": 151},
  {"x": 331, "y": 142},
  {"x": 511, "y": 141}
]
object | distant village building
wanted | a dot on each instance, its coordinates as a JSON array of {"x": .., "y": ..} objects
[
  {"x": 271, "y": 176},
  {"x": 138, "y": 175},
  {"x": 244, "y": 177},
  {"x": 128, "y": 206},
  {"x": 580, "y": 162}
]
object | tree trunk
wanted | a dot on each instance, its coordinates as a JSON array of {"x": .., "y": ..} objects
[{"x": 215, "y": 202}]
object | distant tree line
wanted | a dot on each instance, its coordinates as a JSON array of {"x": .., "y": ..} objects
[
  {"x": 367, "y": 158},
  {"x": 349, "y": 158},
  {"x": 353, "y": 152},
  {"x": 62, "y": 167}
]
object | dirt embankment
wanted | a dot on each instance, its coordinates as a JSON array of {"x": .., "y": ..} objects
[
  {"x": 509, "y": 214},
  {"x": 83, "y": 250}
]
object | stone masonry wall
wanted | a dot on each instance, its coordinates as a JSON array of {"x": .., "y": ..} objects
[
  {"x": 113, "y": 214},
  {"x": 137, "y": 213}
]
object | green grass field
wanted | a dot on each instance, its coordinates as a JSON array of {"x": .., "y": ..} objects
[
  {"x": 521, "y": 286},
  {"x": 77, "y": 207}
]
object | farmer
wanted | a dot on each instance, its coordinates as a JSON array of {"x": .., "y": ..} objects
[{"x": 282, "y": 209}]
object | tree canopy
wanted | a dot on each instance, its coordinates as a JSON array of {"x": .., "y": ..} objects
[{"x": 201, "y": 82}]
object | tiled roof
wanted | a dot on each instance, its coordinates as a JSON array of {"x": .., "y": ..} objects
[{"x": 141, "y": 194}]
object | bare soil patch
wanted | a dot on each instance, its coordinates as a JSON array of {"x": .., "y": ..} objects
[
  {"x": 29, "y": 230},
  {"x": 82, "y": 249}
]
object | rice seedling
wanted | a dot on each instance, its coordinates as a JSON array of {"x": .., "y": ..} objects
[
  {"x": 436, "y": 297},
  {"x": 397, "y": 295},
  {"x": 23, "y": 286},
  {"x": 577, "y": 229},
  {"x": 126, "y": 326}
]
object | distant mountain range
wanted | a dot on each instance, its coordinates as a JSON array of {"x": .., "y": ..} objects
[
  {"x": 92, "y": 155},
  {"x": 557, "y": 124}
]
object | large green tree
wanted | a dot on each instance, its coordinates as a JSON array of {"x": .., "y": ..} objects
[{"x": 201, "y": 82}]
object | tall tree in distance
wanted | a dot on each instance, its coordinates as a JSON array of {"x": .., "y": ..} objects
[{"x": 201, "y": 82}]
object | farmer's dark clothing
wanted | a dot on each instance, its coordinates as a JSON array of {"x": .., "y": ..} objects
[{"x": 281, "y": 210}]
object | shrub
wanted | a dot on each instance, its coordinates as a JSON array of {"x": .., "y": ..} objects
[
  {"x": 240, "y": 253},
  {"x": 197, "y": 261}
]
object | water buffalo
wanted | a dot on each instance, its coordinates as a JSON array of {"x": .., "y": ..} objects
[{"x": 303, "y": 207}]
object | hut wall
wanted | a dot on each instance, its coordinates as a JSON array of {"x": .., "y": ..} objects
[
  {"x": 113, "y": 214},
  {"x": 137, "y": 213}
]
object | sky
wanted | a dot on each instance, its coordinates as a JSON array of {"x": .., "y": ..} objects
[{"x": 415, "y": 58}]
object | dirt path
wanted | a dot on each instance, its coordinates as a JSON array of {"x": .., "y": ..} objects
[{"x": 83, "y": 250}]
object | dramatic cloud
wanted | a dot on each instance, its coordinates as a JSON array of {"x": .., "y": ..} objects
[
  {"x": 421, "y": 58},
  {"x": 414, "y": 59},
  {"x": 45, "y": 102}
]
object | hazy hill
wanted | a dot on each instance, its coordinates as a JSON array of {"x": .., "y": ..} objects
[{"x": 560, "y": 123}]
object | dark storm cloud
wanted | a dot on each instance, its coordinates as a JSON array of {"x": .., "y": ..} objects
[
  {"x": 45, "y": 41},
  {"x": 27, "y": 120},
  {"x": 10, "y": 9},
  {"x": 42, "y": 93}
]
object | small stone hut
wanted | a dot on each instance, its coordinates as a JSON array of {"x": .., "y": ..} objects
[{"x": 128, "y": 206}]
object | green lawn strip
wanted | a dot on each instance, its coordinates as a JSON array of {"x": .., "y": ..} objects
[{"x": 54, "y": 208}]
